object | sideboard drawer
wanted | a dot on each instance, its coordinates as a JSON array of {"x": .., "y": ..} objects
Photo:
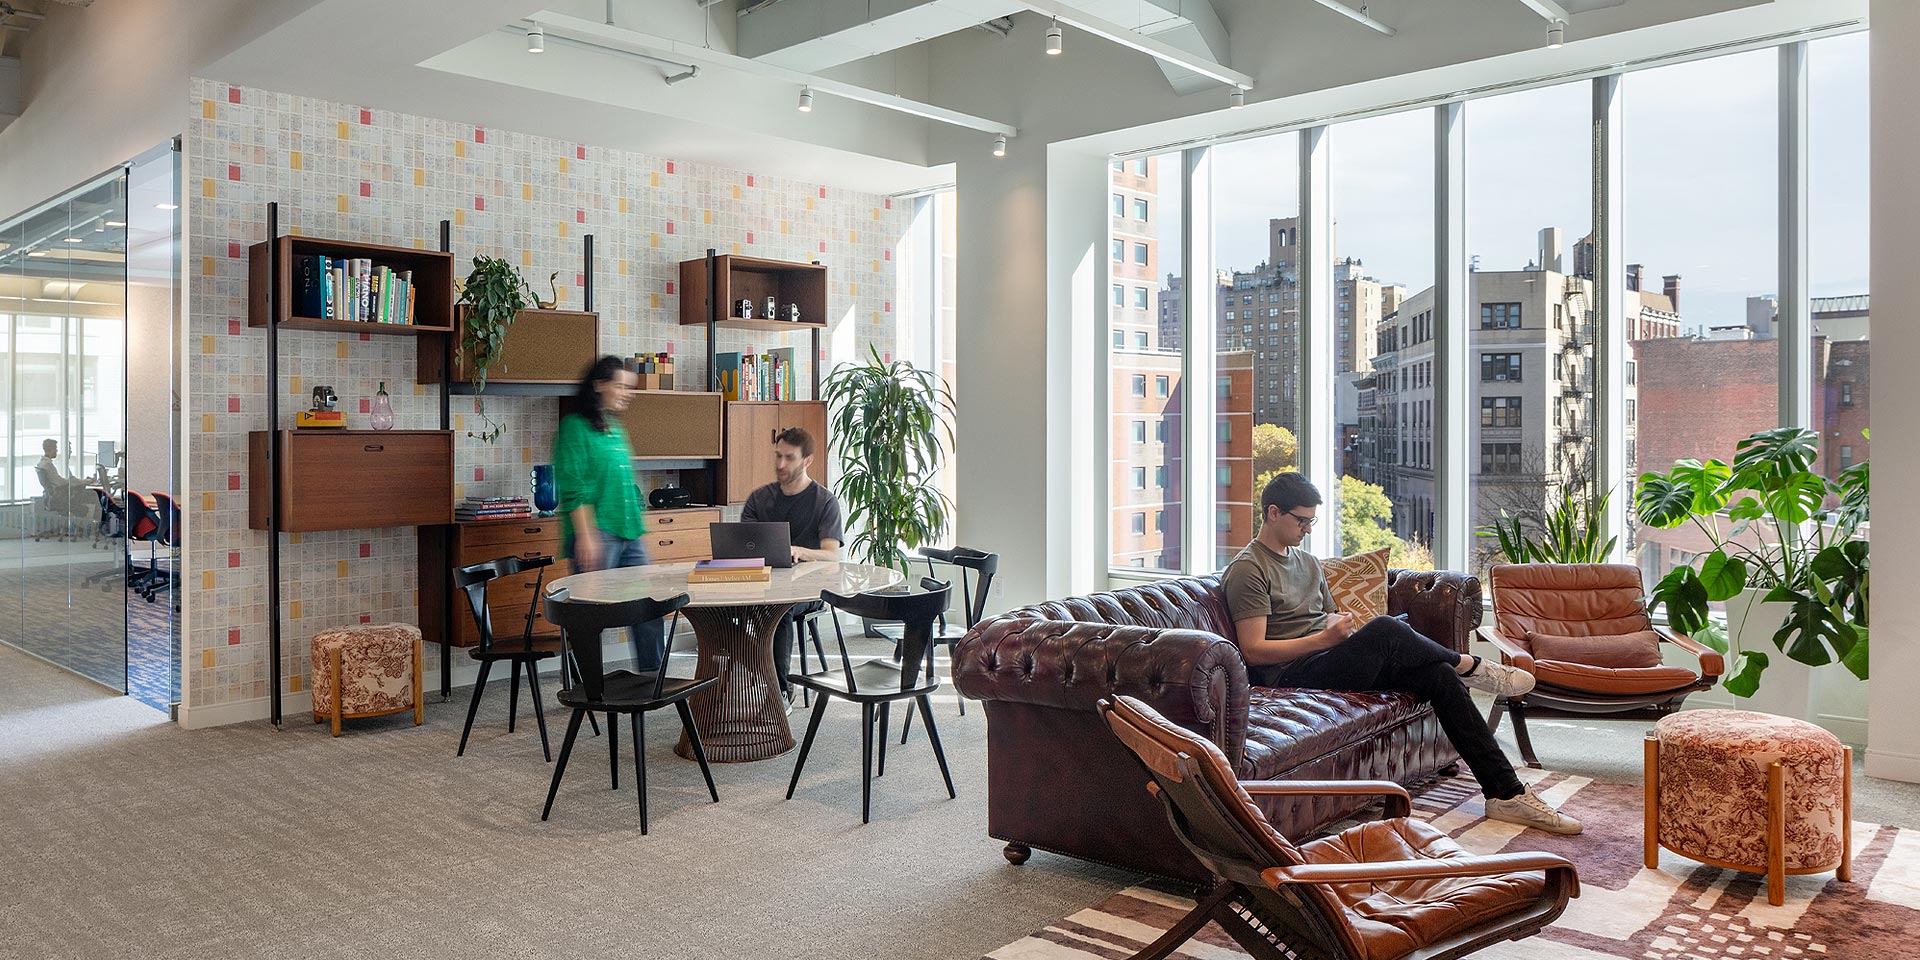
[
  {"x": 696, "y": 518},
  {"x": 488, "y": 533},
  {"x": 666, "y": 546},
  {"x": 354, "y": 479}
]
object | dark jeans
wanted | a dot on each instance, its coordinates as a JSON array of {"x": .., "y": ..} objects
[
  {"x": 783, "y": 640},
  {"x": 1386, "y": 654},
  {"x": 649, "y": 639}
]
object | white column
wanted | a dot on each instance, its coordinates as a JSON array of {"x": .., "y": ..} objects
[
  {"x": 1795, "y": 329},
  {"x": 1452, "y": 534},
  {"x": 1611, "y": 351},
  {"x": 1893, "y": 716},
  {"x": 1319, "y": 440},
  {"x": 1198, "y": 336}
]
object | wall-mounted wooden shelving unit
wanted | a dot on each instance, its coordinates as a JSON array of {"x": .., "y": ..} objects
[{"x": 712, "y": 285}]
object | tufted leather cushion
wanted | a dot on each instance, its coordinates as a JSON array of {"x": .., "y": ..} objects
[
  {"x": 1397, "y": 917},
  {"x": 1638, "y": 649},
  {"x": 1287, "y": 726},
  {"x": 1568, "y": 599},
  {"x": 1359, "y": 583},
  {"x": 1624, "y": 681}
]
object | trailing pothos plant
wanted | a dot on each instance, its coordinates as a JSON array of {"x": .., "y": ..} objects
[
  {"x": 891, "y": 425},
  {"x": 1572, "y": 533},
  {"x": 494, "y": 293},
  {"x": 1766, "y": 515}
]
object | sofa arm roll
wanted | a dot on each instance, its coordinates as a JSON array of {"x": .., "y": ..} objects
[
  {"x": 1440, "y": 604},
  {"x": 1193, "y": 678}
]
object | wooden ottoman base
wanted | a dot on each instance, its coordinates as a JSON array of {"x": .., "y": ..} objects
[{"x": 1776, "y": 867}]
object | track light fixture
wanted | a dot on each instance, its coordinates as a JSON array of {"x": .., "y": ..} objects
[
  {"x": 1236, "y": 99},
  {"x": 1556, "y": 34},
  {"x": 1054, "y": 37},
  {"x": 806, "y": 99},
  {"x": 1000, "y": 145},
  {"x": 537, "y": 40}
]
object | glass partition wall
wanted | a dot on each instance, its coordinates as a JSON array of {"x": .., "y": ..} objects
[
  {"x": 75, "y": 275},
  {"x": 1619, "y": 241}
]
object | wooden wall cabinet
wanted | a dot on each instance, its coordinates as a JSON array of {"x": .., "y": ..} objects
[
  {"x": 751, "y": 427},
  {"x": 548, "y": 349},
  {"x": 751, "y": 278},
  {"x": 676, "y": 425},
  {"x": 354, "y": 479}
]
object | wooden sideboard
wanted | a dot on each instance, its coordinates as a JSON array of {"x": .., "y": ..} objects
[{"x": 671, "y": 535}]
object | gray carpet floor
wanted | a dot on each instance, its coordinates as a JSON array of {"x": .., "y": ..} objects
[{"x": 123, "y": 836}]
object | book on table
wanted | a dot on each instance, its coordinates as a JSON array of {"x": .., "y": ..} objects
[{"x": 752, "y": 570}]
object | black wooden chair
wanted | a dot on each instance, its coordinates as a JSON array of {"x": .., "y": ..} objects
[
  {"x": 621, "y": 691},
  {"x": 977, "y": 570},
  {"x": 877, "y": 683},
  {"x": 524, "y": 653},
  {"x": 1391, "y": 889}
]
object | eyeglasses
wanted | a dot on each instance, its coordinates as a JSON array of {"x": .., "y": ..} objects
[{"x": 1306, "y": 523}]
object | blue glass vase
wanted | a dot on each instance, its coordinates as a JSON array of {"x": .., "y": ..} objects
[{"x": 545, "y": 496}]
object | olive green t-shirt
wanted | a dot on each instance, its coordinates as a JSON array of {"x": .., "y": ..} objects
[
  {"x": 595, "y": 469},
  {"x": 1289, "y": 590}
]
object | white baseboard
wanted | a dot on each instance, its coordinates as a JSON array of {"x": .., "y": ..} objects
[
  {"x": 1886, "y": 765},
  {"x": 293, "y": 706}
]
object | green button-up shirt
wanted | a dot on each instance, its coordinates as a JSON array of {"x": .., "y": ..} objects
[{"x": 595, "y": 469}]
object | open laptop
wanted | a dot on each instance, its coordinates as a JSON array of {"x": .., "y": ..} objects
[{"x": 772, "y": 542}]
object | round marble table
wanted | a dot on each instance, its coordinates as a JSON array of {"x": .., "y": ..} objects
[{"x": 743, "y": 717}]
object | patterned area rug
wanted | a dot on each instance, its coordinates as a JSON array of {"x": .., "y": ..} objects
[{"x": 1683, "y": 911}]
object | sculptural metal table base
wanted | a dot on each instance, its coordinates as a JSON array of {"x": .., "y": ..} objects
[{"x": 743, "y": 717}]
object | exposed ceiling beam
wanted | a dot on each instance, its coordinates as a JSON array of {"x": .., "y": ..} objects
[
  {"x": 623, "y": 40},
  {"x": 1134, "y": 40},
  {"x": 1549, "y": 10},
  {"x": 1359, "y": 16}
]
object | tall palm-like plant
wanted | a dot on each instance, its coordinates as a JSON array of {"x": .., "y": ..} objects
[
  {"x": 891, "y": 426},
  {"x": 1572, "y": 533}
]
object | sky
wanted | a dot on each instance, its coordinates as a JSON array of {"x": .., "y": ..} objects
[{"x": 1699, "y": 159}]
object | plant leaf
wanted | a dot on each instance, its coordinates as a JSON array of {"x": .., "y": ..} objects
[
  {"x": 1685, "y": 598},
  {"x": 1746, "y": 678},
  {"x": 1722, "y": 576},
  {"x": 1713, "y": 635}
]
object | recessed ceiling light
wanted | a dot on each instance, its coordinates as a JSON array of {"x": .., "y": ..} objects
[
  {"x": 166, "y": 206},
  {"x": 806, "y": 99},
  {"x": 73, "y": 240},
  {"x": 1000, "y": 145},
  {"x": 1054, "y": 37},
  {"x": 537, "y": 40},
  {"x": 116, "y": 223}
]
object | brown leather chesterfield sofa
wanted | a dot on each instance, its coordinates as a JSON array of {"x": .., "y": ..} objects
[{"x": 1058, "y": 781}]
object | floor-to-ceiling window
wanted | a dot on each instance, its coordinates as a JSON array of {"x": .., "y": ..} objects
[
  {"x": 1837, "y": 238},
  {"x": 1529, "y": 391},
  {"x": 1383, "y": 329},
  {"x": 1145, "y": 389}
]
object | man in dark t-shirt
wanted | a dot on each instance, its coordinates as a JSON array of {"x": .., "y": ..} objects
[{"x": 811, "y": 512}]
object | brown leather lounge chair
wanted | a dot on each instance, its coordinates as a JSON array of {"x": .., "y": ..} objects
[
  {"x": 1393, "y": 889},
  {"x": 1582, "y": 630}
]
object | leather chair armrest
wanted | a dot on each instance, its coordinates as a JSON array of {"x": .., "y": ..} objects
[
  {"x": 1399, "y": 804},
  {"x": 1427, "y": 869},
  {"x": 1712, "y": 664},
  {"x": 1510, "y": 651},
  {"x": 1193, "y": 678},
  {"x": 1439, "y": 604}
]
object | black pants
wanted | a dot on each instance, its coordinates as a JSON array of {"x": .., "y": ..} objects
[
  {"x": 1386, "y": 654},
  {"x": 783, "y": 640}
]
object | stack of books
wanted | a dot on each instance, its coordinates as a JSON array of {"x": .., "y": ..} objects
[
  {"x": 730, "y": 571},
  {"x": 352, "y": 289},
  {"x": 492, "y": 508},
  {"x": 762, "y": 376}
]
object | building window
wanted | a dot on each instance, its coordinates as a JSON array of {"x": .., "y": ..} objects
[
  {"x": 1119, "y": 205},
  {"x": 1846, "y": 455},
  {"x": 1633, "y": 413},
  {"x": 1140, "y": 254},
  {"x": 1499, "y": 411},
  {"x": 1139, "y": 431},
  {"x": 1140, "y": 166},
  {"x": 1499, "y": 366},
  {"x": 1226, "y": 431},
  {"x": 1119, "y": 340},
  {"x": 1139, "y": 209},
  {"x": 1140, "y": 385},
  {"x": 1160, "y": 476},
  {"x": 1140, "y": 298},
  {"x": 1846, "y": 393},
  {"x": 1139, "y": 339},
  {"x": 1223, "y": 475},
  {"x": 1160, "y": 385},
  {"x": 1499, "y": 316},
  {"x": 1119, "y": 250},
  {"x": 1139, "y": 523},
  {"x": 1139, "y": 478},
  {"x": 1119, "y": 295},
  {"x": 1159, "y": 520},
  {"x": 1160, "y": 430},
  {"x": 1500, "y": 458}
]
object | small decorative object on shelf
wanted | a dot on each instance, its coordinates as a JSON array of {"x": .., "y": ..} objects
[
  {"x": 546, "y": 496},
  {"x": 323, "y": 413},
  {"x": 792, "y": 313},
  {"x": 553, "y": 285},
  {"x": 655, "y": 370},
  {"x": 773, "y": 309},
  {"x": 669, "y": 498},
  {"x": 746, "y": 309},
  {"x": 492, "y": 508},
  {"x": 382, "y": 409}
]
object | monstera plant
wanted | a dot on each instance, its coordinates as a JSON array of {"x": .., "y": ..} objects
[
  {"x": 1779, "y": 530},
  {"x": 891, "y": 428}
]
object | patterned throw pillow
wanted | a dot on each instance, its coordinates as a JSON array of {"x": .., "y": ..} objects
[{"x": 1359, "y": 583}]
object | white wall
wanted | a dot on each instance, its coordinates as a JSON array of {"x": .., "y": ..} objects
[{"x": 1893, "y": 716}]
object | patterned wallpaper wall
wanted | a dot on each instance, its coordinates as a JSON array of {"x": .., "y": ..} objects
[{"x": 339, "y": 170}]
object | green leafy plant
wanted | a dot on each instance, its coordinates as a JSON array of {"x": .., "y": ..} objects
[
  {"x": 1572, "y": 533},
  {"x": 494, "y": 293},
  {"x": 891, "y": 428},
  {"x": 1766, "y": 516}
]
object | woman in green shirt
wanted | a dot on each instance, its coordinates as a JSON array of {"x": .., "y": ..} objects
[{"x": 600, "y": 511}]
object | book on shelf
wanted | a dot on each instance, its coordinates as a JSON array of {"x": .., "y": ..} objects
[
  {"x": 730, "y": 571},
  {"x": 352, "y": 289}
]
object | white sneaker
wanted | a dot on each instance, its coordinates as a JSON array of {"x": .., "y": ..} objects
[
  {"x": 1498, "y": 679},
  {"x": 1529, "y": 810}
]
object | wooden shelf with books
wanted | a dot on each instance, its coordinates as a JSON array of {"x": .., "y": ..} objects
[
  {"x": 302, "y": 290},
  {"x": 714, "y": 287}
]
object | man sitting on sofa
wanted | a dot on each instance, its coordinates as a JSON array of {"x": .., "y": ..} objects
[{"x": 1291, "y": 636}]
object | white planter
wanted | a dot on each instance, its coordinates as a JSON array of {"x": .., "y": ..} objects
[{"x": 1830, "y": 695}]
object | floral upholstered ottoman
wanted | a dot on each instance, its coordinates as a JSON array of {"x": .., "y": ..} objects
[
  {"x": 369, "y": 670},
  {"x": 1750, "y": 791}
]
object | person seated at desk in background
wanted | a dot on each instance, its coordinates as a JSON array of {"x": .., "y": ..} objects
[
  {"x": 813, "y": 517},
  {"x": 64, "y": 494}
]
